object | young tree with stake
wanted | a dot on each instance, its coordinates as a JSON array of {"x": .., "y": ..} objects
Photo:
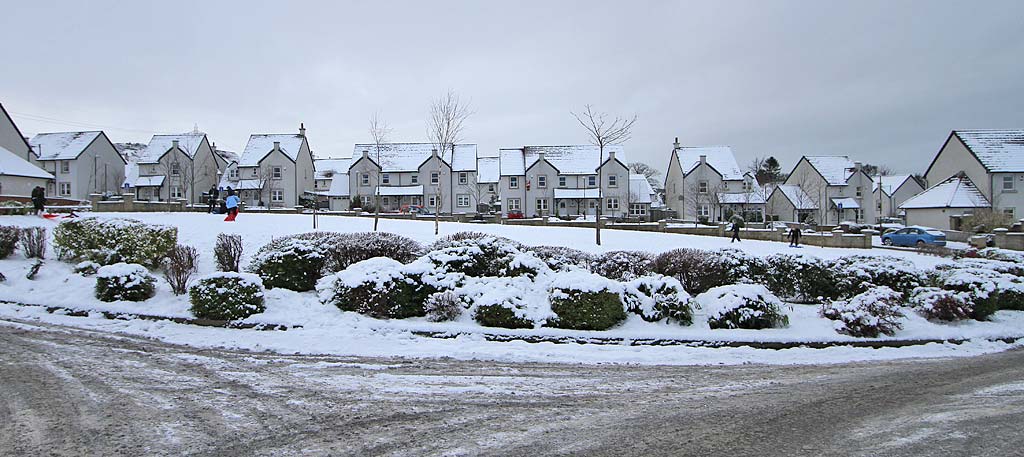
[
  {"x": 444, "y": 129},
  {"x": 379, "y": 132},
  {"x": 602, "y": 133}
]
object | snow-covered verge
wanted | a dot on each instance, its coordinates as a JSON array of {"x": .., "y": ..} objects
[{"x": 325, "y": 329}]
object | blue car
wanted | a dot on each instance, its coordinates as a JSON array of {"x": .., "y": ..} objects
[{"x": 915, "y": 236}]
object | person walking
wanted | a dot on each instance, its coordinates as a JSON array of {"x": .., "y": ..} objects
[
  {"x": 39, "y": 200},
  {"x": 212, "y": 198},
  {"x": 794, "y": 237},
  {"x": 737, "y": 222},
  {"x": 231, "y": 203}
]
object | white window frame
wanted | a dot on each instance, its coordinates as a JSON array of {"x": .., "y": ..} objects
[
  {"x": 541, "y": 204},
  {"x": 561, "y": 181},
  {"x": 611, "y": 203},
  {"x": 513, "y": 182},
  {"x": 462, "y": 200},
  {"x": 860, "y": 193},
  {"x": 61, "y": 187},
  {"x": 435, "y": 177},
  {"x": 366, "y": 200},
  {"x": 277, "y": 195},
  {"x": 175, "y": 168},
  {"x": 364, "y": 179},
  {"x": 1012, "y": 183},
  {"x": 176, "y": 192},
  {"x": 432, "y": 201},
  {"x": 747, "y": 186},
  {"x": 276, "y": 172},
  {"x": 385, "y": 201},
  {"x": 704, "y": 210},
  {"x": 65, "y": 166},
  {"x": 385, "y": 178},
  {"x": 591, "y": 181},
  {"x": 702, "y": 187},
  {"x": 463, "y": 177},
  {"x": 233, "y": 173},
  {"x": 542, "y": 181},
  {"x": 515, "y": 204},
  {"x": 415, "y": 178},
  {"x": 637, "y": 209},
  {"x": 613, "y": 180}
]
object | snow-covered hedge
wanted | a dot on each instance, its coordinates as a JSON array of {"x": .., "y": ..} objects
[
  {"x": 748, "y": 306},
  {"x": 622, "y": 265},
  {"x": 856, "y": 274},
  {"x": 561, "y": 258},
  {"x": 868, "y": 314},
  {"x": 511, "y": 302},
  {"x": 86, "y": 268},
  {"x": 655, "y": 298},
  {"x": 485, "y": 256},
  {"x": 986, "y": 291},
  {"x": 294, "y": 263},
  {"x": 803, "y": 279},
  {"x": 944, "y": 305},
  {"x": 227, "y": 296},
  {"x": 8, "y": 240},
  {"x": 700, "y": 270},
  {"x": 349, "y": 248},
  {"x": 124, "y": 281},
  {"x": 468, "y": 238},
  {"x": 585, "y": 301},
  {"x": 110, "y": 241},
  {"x": 382, "y": 288}
]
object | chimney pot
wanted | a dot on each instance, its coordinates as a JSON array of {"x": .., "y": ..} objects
[
  {"x": 174, "y": 143},
  {"x": 433, "y": 152},
  {"x": 676, "y": 143},
  {"x": 302, "y": 129},
  {"x": 366, "y": 152},
  {"x": 703, "y": 158},
  {"x": 277, "y": 145}
]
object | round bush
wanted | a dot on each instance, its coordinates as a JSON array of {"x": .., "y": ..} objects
[
  {"x": 622, "y": 265},
  {"x": 87, "y": 268},
  {"x": 560, "y": 258},
  {"x": 805, "y": 279},
  {"x": 227, "y": 296},
  {"x": 655, "y": 298},
  {"x": 868, "y": 314},
  {"x": 747, "y": 306},
  {"x": 290, "y": 263},
  {"x": 124, "y": 281},
  {"x": 444, "y": 306},
  {"x": 944, "y": 305},
  {"x": 698, "y": 270},
  {"x": 470, "y": 238},
  {"x": 9, "y": 236},
  {"x": 508, "y": 302},
  {"x": 500, "y": 315},
  {"x": 349, "y": 248},
  {"x": 379, "y": 287},
  {"x": 585, "y": 301},
  {"x": 855, "y": 274},
  {"x": 486, "y": 256}
]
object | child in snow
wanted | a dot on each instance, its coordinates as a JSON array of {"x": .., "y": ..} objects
[{"x": 232, "y": 205}]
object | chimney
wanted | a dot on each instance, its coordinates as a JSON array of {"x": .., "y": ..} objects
[
  {"x": 302, "y": 129},
  {"x": 857, "y": 166},
  {"x": 277, "y": 145},
  {"x": 433, "y": 152},
  {"x": 675, "y": 145},
  {"x": 703, "y": 159},
  {"x": 540, "y": 155},
  {"x": 611, "y": 155},
  {"x": 174, "y": 144},
  {"x": 366, "y": 153}
]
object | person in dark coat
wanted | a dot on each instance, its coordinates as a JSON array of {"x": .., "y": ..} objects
[
  {"x": 737, "y": 222},
  {"x": 212, "y": 198},
  {"x": 794, "y": 237},
  {"x": 39, "y": 200}
]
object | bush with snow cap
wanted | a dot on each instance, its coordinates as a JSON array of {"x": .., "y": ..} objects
[
  {"x": 87, "y": 268},
  {"x": 656, "y": 297},
  {"x": 585, "y": 301},
  {"x": 986, "y": 290},
  {"x": 747, "y": 306},
  {"x": 699, "y": 270},
  {"x": 291, "y": 263},
  {"x": 622, "y": 265},
  {"x": 485, "y": 256},
  {"x": 1004, "y": 255},
  {"x": 468, "y": 238},
  {"x": 509, "y": 302},
  {"x": 124, "y": 281},
  {"x": 227, "y": 296},
  {"x": 806, "y": 279},
  {"x": 382, "y": 288},
  {"x": 944, "y": 305},
  {"x": 868, "y": 314},
  {"x": 444, "y": 306},
  {"x": 1001, "y": 266},
  {"x": 115, "y": 240},
  {"x": 561, "y": 258},
  {"x": 854, "y": 274},
  {"x": 349, "y": 248}
]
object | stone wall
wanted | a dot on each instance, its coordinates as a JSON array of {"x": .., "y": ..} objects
[{"x": 128, "y": 204}]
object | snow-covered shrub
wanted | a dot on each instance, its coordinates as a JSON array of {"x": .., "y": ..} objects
[
  {"x": 110, "y": 241},
  {"x": 349, "y": 248},
  {"x": 486, "y": 256},
  {"x": 855, "y": 274},
  {"x": 939, "y": 304},
  {"x": 1001, "y": 266},
  {"x": 228, "y": 252},
  {"x": 181, "y": 264},
  {"x": 227, "y": 296},
  {"x": 293, "y": 262},
  {"x": 561, "y": 258},
  {"x": 509, "y": 302},
  {"x": 700, "y": 270},
  {"x": 982, "y": 288},
  {"x": 805, "y": 279},
  {"x": 868, "y": 314},
  {"x": 749, "y": 306},
  {"x": 585, "y": 301},
  {"x": 124, "y": 281},
  {"x": 622, "y": 265},
  {"x": 86, "y": 268},
  {"x": 444, "y": 306},
  {"x": 656, "y": 297},
  {"x": 33, "y": 242},
  {"x": 379, "y": 287},
  {"x": 1002, "y": 254},
  {"x": 9, "y": 236},
  {"x": 461, "y": 239}
]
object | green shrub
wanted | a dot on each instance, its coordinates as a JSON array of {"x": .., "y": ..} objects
[
  {"x": 87, "y": 268},
  {"x": 655, "y": 298},
  {"x": 292, "y": 263},
  {"x": 472, "y": 238},
  {"x": 227, "y": 296},
  {"x": 444, "y": 306},
  {"x": 500, "y": 315},
  {"x": 379, "y": 287},
  {"x": 585, "y": 301},
  {"x": 486, "y": 256},
  {"x": 349, "y": 248},
  {"x": 110, "y": 241},
  {"x": 944, "y": 305},
  {"x": 560, "y": 258},
  {"x": 622, "y": 265},
  {"x": 699, "y": 270},
  {"x": 804, "y": 279},
  {"x": 9, "y": 236},
  {"x": 869, "y": 314},
  {"x": 747, "y": 306},
  {"x": 124, "y": 281},
  {"x": 856, "y": 274}
]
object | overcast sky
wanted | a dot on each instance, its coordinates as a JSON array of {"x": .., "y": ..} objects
[{"x": 883, "y": 82}]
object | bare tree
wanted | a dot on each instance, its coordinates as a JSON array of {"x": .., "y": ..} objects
[
  {"x": 649, "y": 172},
  {"x": 379, "y": 132},
  {"x": 603, "y": 133},
  {"x": 813, "y": 194},
  {"x": 262, "y": 178},
  {"x": 444, "y": 129}
]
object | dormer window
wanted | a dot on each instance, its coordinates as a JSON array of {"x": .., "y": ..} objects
[{"x": 233, "y": 173}]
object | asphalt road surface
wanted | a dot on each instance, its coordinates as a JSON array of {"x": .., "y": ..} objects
[{"x": 66, "y": 391}]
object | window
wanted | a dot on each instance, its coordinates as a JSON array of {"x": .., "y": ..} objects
[
  {"x": 385, "y": 201},
  {"x": 514, "y": 205},
  {"x": 592, "y": 205},
  {"x": 513, "y": 182},
  {"x": 1007, "y": 182},
  {"x": 637, "y": 209},
  {"x": 432, "y": 201},
  {"x": 591, "y": 181},
  {"x": 415, "y": 179},
  {"x": 276, "y": 195},
  {"x": 175, "y": 168},
  {"x": 612, "y": 204},
  {"x": 1008, "y": 212},
  {"x": 276, "y": 172},
  {"x": 747, "y": 186},
  {"x": 860, "y": 214},
  {"x": 561, "y": 204},
  {"x": 702, "y": 187},
  {"x": 366, "y": 200},
  {"x": 613, "y": 180},
  {"x": 364, "y": 179},
  {"x": 233, "y": 173},
  {"x": 417, "y": 200},
  {"x": 542, "y": 181},
  {"x": 255, "y": 173},
  {"x": 542, "y": 205},
  {"x": 65, "y": 166},
  {"x": 65, "y": 188},
  {"x": 490, "y": 187},
  {"x": 435, "y": 177},
  {"x": 176, "y": 192},
  {"x": 705, "y": 210},
  {"x": 385, "y": 178},
  {"x": 859, "y": 193},
  {"x": 463, "y": 177},
  {"x": 561, "y": 181},
  {"x": 462, "y": 200}
]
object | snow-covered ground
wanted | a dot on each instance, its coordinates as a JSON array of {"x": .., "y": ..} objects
[{"x": 326, "y": 330}]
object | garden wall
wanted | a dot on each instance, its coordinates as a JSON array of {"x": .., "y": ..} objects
[{"x": 129, "y": 204}]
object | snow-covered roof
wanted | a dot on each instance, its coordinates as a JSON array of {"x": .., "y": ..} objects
[
  {"x": 407, "y": 157},
  {"x": 720, "y": 158},
  {"x": 957, "y": 191},
  {"x": 62, "y": 145},
  {"x": 327, "y": 168},
  {"x": 845, "y": 202},
  {"x": 744, "y": 198},
  {"x": 131, "y": 174},
  {"x": 579, "y": 159},
  {"x": 261, "y": 144},
  {"x": 242, "y": 184},
  {"x": 392, "y": 191},
  {"x": 228, "y": 156},
  {"x": 12, "y": 165},
  {"x": 797, "y": 196},
  {"x": 160, "y": 144},
  {"x": 339, "y": 185},
  {"x": 997, "y": 150},
  {"x": 149, "y": 181},
  {"x": 640, "y": 190},
  {"x": 890, "y": 183},
  {"x": 835, "y": 169},
  {"x": 577, "y": 193},
  {"x": 488, "y": 169}
]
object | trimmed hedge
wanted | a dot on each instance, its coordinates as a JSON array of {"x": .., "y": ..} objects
[
  {"x": 747, "y": 306},
  {"x": 111, "y": 241},
  {"x": 500, "y": 315},
  {"x": 483, "y": 257},
  {"x": 655, "y": 298},
  {"x": 585, "y": 301},
  {"x": 799, "y": 278},
  {"x": 124, "y": 281},
  {"x": 378, "y": 287},
  {"x": 868, "y": 314},
  {"x": 560, "y": 258},
  {"x": 699, "y": 270},
  {"x": 227, "y": 296}
]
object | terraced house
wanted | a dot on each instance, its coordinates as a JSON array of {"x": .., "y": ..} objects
[
  {"x": 274, "y": 170},
  {"x": 176, "y": 167},
  {"x": 825, "y": 190},
  {"x": 415, "y": 175},
  {"x": 705, "y": 182},
  {"x": 82, "y": 162}
]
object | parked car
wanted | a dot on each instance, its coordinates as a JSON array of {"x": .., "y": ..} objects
[
  {"x": 915, "y": 236},
  {"x": 515, "y": 214}
]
